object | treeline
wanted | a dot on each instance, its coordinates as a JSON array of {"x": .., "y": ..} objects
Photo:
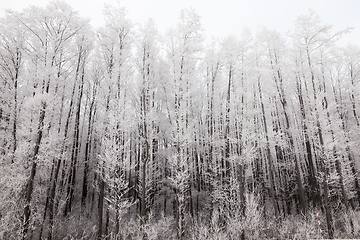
[{"x": 123, "y": 133}]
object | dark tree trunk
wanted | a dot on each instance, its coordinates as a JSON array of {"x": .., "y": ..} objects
[
  {"x": 227, "y": 129},
  {"x": 88, "y": 145},
  {"x": 325, "y": 169},
  {"x": 278, "y": 77},
  {"x": 268, "y": 155},
  {"x": 52, "y": 204},
  {"x": 15, "y": 110},
  {"x": 30, "y": 183},
  {"x": 75, "y": 149},
  {"x": 100, "y": 208},
  {"x": 315, "y": 195}
]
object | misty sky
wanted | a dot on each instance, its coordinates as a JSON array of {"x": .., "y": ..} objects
[{"x": 220, "y": 18}]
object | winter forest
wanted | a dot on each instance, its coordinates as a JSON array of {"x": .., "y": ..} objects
[{"x": 120, "y": 132}]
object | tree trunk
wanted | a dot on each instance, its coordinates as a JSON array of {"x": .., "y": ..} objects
[
  {"x": 88, "y": 145},
  {"x": 312, "y": 178},
  {"x": 75, "y": 149},
  {"x": 100, "y": 208},
  {"x": 325, "y": 169},
  {"x": 352, "y": 161},
  {"x": 15, "y": 110},
  {"x": 227, "y": 129},
  {"x": 30, "y": 183},
  {"x": 52, "y": 204},
  {"x": 291, "y": 151},
  {"x": 143, "y": 193},
  {"x": 268, "y": 154}
]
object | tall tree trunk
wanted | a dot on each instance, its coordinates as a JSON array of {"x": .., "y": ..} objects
[
  {"x": 212, "y": 73},
  {"x": 52, "y": 203},
  {"x": 88, "y": 144},
  {"x": 268, "y": 154},
  {"x": 75, "y": 149},
  {"x": 39, "y": 135},
  {"x": 352, "y": 96},
  {"x": 143, "y": 185},
  {"x": 101, "y": 207},
  {"x": 101, "y": 180},
  {"x": 278, "y": 77},
  {"x": 353, "y": 102},
  {"x": 227, "y": 129},
  {"x": 315, "y": 194},
  {"x": 30, "y": 183},
  {"x": 17, "y": 63},
  {"x": 325, "y": 169},
  {"x": 144, "y": 126}
]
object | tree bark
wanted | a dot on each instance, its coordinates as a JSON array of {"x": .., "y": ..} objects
[
  {"x": 88, "y": 144},
  {"x": 268, "y": 154},
  {"x": 278, "y": 77},
  {"x": 30, "y": 183},
  {"x": 75, "y": 149},
  {"x": 100, "y": 208},
  {"x": 325, "y": 169},
  {"x": 16, "y": 63},
  {"x": 315, "y": 195},
  {"x": 227, "y": 129}
]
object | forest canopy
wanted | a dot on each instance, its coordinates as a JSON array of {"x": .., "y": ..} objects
[{"x": 120, "y": 132}]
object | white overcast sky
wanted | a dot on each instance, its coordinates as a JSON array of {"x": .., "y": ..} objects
[{"x": 222, "y": 17}]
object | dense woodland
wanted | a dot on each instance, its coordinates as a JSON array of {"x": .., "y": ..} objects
[{"x": 121, "y": 132}]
